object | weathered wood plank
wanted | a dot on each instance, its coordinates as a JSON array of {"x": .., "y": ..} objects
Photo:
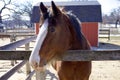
[
  {"x": 72, "y": 55},
  {"x": 14, "y": 55},
  {"x": 104, "y": 33},
  {"x": 83, "y": 55},
  {"x": 30, "y": 75},
  {"x": 17, "y": 43},
  {"x": 8, "y": 74}
]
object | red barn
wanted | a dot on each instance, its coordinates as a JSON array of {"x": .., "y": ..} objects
[{"x": 89, "y": 13}]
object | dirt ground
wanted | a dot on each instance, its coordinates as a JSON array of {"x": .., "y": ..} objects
[
  {"x": 106, "y": 70},
  {"x": 101, "y": 70}
]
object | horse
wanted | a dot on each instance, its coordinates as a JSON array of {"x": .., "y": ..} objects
[{"x": 60, "y": 31}]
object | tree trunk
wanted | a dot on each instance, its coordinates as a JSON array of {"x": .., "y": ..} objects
[
  {"x": 0, "y": 18},
  {"x": 117, "y": 23}
]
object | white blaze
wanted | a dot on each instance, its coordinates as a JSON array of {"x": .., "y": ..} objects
[{"x": 35, "y": 57}]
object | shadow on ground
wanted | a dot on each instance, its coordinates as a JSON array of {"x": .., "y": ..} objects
[{"x": 103, "y": 45}]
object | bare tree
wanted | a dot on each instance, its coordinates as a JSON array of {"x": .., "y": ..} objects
[
  {"x": 115, "y": 16},
  {"x": 0, "y": 18},
  {"x": 5, "y": 6},
  {"x": 17, "y": 20},
  {"x": 25, "y": 11}
]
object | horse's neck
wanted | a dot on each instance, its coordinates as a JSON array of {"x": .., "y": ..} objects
[
  {"x": 77, "y": 44},
  {"x": 78, "y": 40}
]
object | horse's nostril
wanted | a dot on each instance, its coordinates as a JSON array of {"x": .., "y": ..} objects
[{"x": 44, "y": 64}]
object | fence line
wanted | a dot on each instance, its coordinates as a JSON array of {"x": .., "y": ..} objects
[
  {"x": 30, "y": 75},
  {"x": 71, "y": 55},
  {"x": 12, "y": 71},
  {"x": 104, "y": 33},
  {"x": 17, "y": 43},
  {"x": 12, "y": 46}
]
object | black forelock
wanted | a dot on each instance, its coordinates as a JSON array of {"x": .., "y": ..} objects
[{"x": 47, "y": 15}]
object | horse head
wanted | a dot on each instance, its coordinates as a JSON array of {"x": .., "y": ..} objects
[{"x": 54, "y": 36}]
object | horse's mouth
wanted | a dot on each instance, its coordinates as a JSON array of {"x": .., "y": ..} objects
[{"x": 39, "y": 67}]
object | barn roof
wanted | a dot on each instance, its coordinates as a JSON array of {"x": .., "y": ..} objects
[
  {"x": 70, "y": 3},
  {"x": 86, "y": 11}
]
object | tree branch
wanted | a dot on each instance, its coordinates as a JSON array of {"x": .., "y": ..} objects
[{"x": 5, "y": 5}]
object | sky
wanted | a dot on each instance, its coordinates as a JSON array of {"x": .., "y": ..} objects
[{"x": 107, "y": 5}]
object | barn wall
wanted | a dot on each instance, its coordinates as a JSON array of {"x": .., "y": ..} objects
[
  {"x": 36, "y": 28},
  {"x": 90, "y": 30}
]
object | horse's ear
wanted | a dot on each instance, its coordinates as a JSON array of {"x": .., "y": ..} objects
[
  {"x": 43, "y": 9},
  {"x": 55, "y": 9}
]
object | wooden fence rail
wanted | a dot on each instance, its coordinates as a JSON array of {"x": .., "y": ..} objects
[
  {"x": 71, "y": 55},
  {"x": 30, "y": 75},
  {"x": 8, "y": 74},
  {"x": 12, "y": 46},
  {"x": 104, "y": 33},
  {"x": 17, "y": 43}
]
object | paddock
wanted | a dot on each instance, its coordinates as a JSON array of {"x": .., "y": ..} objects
[{"x": 97, "y": 56}]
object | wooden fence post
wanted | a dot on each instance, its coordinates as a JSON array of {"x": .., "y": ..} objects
[
  {"x": 109, "y": 34},
  {"x": 12, "y": 39},
  {"x": 28, "y": 68}
]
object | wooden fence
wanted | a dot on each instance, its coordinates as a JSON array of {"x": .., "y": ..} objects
[
  {"x": 10, "y": 47},
  {"x": 104, "y": 33},
  {"x": 17, "y": 32},
  {"x": 72, "y": 55}
]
